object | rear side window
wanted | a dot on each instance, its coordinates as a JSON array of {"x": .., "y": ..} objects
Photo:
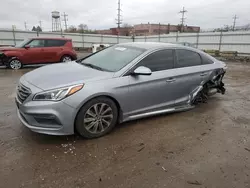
[
  {"x": 187, "y": 58},
  {"x": 54, "y": 43},
  {"x": 158, "y": 61},
  {"x": 206, "y": 60}
]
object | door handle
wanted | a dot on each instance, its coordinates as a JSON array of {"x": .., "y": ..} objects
[
  {"x": 203, "y": 74},
  {"x": 170, "y": 80}
]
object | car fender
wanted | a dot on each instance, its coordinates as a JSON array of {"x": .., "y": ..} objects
[
  {"x": 90, "y": 97},
  {"x": 102, "y": 94},
  {"x": 14, "y": 54},
  {"x": 67, "y": 52}
]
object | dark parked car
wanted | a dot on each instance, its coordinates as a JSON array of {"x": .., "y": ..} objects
[{"x": 37, "y": 51}]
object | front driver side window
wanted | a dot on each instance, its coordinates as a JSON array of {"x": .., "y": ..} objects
[
  {"x": 159, "y": 60},
  {"x": 36, "y": 43}
]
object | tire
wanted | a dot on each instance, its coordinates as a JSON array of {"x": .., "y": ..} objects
[
  {"x": 15, "y": 64},
  {"x": 66, "y": 58},
  {"x": 90, "y": 124}
]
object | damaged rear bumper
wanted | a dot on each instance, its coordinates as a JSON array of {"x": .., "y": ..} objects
[
  {"x": 217, "y": 82},
  {"x": 213, "y": 86}
]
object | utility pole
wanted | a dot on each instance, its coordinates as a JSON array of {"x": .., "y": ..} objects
[
  {"x": 159, "y": 38},
  {"x": 234, "y": 22},
  {"x": 40, "y": 23},
  {"x": 182, "y": 12},
  {"x": 65, "y": 19},
  {"x": 119, "y": 21},
  {"x": 25, "y": 26}
]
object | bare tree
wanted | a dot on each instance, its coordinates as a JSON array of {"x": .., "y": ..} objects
[
  {"x": 39, "y": 29},
  {"x": 82, "y": 28},
  {"x": 72, "y": 29},
  {"x": 33, "y": 28},
  {"x": 127, "y": 29}
]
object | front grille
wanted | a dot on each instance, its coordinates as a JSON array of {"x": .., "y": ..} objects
[{"x": 22, "y": 92}]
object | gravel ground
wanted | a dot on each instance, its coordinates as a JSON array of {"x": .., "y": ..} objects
[{"x": 208, "y": 146}]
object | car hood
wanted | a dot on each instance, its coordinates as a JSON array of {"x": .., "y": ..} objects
[{"x": 64, "y": 74}]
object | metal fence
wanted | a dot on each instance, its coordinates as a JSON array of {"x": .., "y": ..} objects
[
  {"x": 13, "y": 37},
  {"x": 222, "y": 41}
]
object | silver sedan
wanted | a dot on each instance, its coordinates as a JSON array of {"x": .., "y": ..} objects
[{"x": 120, "y": 83}]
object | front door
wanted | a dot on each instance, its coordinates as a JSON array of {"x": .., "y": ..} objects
[
  {"x": 35, "y": 52},
  {"x": 152, "y": 92}
]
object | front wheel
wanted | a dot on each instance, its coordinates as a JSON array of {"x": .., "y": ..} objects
[
  {"x": 15, "y": 64},
  {"x": 66, "y": 58},
  {"x": 97, "y": 117}
]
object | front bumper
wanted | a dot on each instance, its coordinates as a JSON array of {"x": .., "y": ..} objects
[
  {"x": 52, "y": 119},
  {"x": 47, "y": 117},
  {"x": 3, "y": 59}
]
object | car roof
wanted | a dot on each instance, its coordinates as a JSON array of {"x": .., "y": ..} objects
[
  {"x": 149, "y": 45},
  {"x": 51, "y": 38}
]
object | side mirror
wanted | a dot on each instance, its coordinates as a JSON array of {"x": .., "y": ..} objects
[
  {"x": 142, "y": 71},
  {"x": 27, "y": 46}
]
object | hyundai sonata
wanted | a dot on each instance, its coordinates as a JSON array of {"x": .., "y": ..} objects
[{"x": 120, "y": 83}]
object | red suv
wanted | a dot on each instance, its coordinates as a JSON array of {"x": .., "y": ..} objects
[{"x": 36, "y": 51}]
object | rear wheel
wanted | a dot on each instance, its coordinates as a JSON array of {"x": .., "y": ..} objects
[
  {"x": 15, "y": 64},
  {"x": 66, "y": 58},
  {"x": 96, "y": 118}
]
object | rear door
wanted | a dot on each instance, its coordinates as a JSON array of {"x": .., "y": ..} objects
[
  {"x": 53, "y": 49},
  {"x": 152, "y": 92},
  {"x": 35, "y": 52},
  {"x": 188, "y": 74}
]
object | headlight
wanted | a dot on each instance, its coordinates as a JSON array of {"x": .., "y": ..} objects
[{"x": 57, "y": 94}]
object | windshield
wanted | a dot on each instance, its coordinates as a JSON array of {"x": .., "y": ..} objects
[
  {"x": 22, "y": 44},
  {"x": 113, "y": 58}
]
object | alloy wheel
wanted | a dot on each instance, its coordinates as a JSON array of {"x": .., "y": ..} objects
[
  {"x": 15, "y": 64},
  {"x": 98, "y": 118},
  {"x": 66, "y": 59}
]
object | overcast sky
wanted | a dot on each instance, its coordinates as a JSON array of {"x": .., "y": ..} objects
[{"x": 101, "y": 14}]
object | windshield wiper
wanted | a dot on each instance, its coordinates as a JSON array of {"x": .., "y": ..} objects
[{"x": 93, "y": 66}]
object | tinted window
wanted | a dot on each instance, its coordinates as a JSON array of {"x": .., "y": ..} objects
[
  {"x": 160, "y": 60},
  {"x": 206, "y": 60},
  {"x": 36, "y": 43},
  {"x": 186, "y": 58},
  {"x": 51, "y": 43},
  {"x": 113, "y": 58}
]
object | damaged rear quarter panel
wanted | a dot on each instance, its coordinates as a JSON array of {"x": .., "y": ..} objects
[{"x": 213, "y": 70}]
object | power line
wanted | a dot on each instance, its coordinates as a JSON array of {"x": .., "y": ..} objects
[
  {"x": 234, "y": 22},
  {"x": 182, "y": 12},
  {"x": 119, "y": 21},
  {"x": 65, "y": 19}
]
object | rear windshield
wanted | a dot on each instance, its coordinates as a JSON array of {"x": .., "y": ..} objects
[{"x": 114, "y": 58}]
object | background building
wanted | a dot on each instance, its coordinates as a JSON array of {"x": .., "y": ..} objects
[
  {"x": 104, "y": 32},
  {"x": 122, "y": 31},
  {"x": 149, "y": 29},
  {"x": 156, "y": 29}
]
